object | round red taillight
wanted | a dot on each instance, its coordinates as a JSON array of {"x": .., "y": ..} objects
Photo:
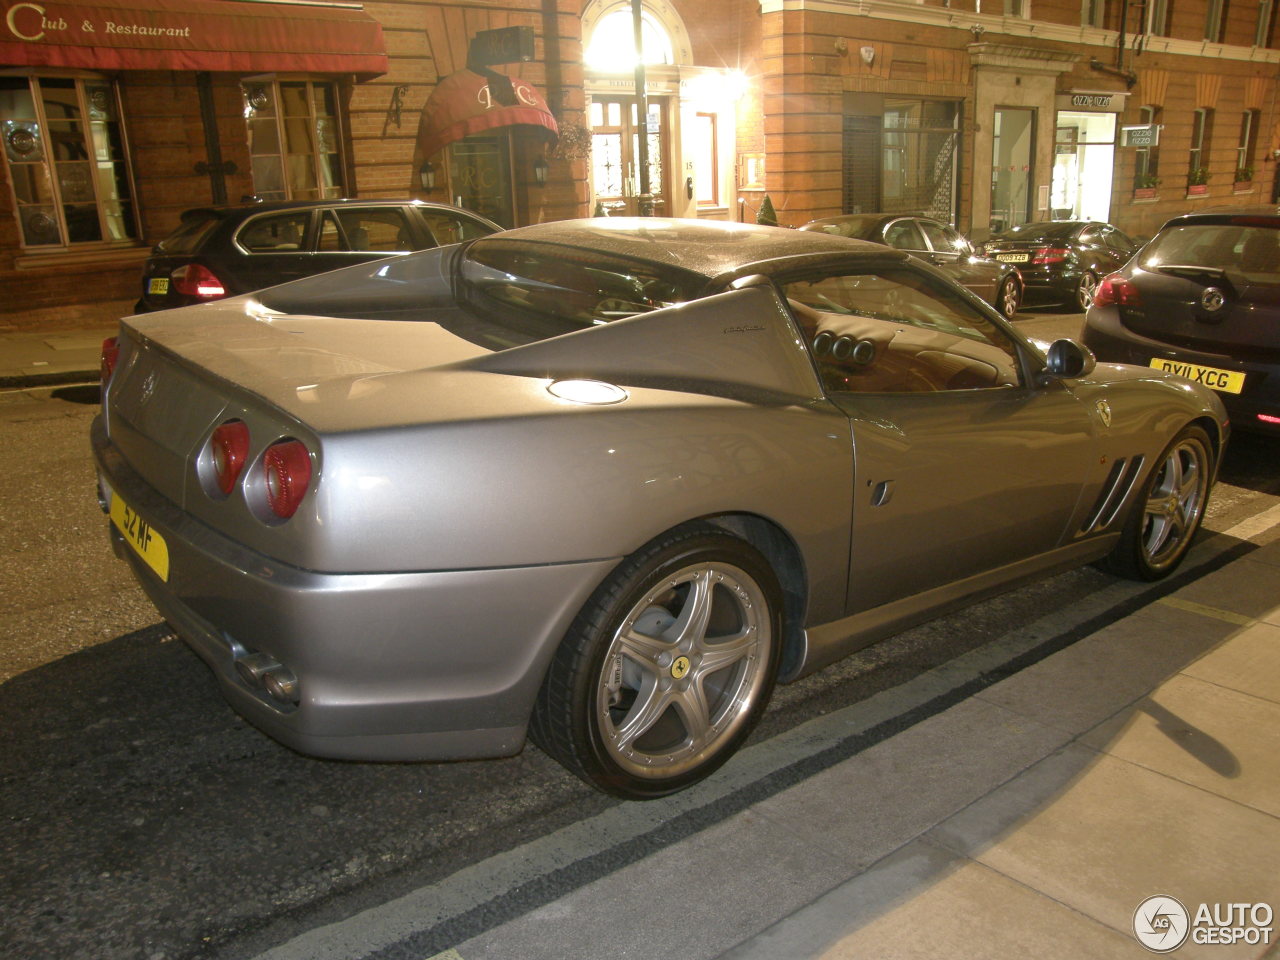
[
  {"x": 110, "y": 354},
  {"x": 196, "y": 280},
  {"x": 229, "y": 447},
  {"x": 286, "y": 469}
]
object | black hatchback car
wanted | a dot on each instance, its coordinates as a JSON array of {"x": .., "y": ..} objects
[
  {"x": 1061, "y": 261},
  {"x": 224, "y": 251},
  {"x": 1000, "y": 284},
  {"x": 1202, "y": 300}
]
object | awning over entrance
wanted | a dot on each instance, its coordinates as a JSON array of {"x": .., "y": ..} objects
[
  {"x": 462, "y": 104},
  {"x": 242, "y": 36}
]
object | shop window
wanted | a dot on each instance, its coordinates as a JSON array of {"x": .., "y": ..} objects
[
  {"x": 1146, "y": 165},
  {"x": 294, "y": 139},
  {"x": 902, "y": 161},
  {"x": 1245, "y": 146},
  {"x": 1198, "y": 156},
  {"x": 68, "y": 167}
]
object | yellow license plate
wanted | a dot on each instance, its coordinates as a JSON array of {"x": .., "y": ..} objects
[
  {"x": 1228, "y": 381},
  {"x": 141, "y": 536},
  {"x": 158, "y": 285},
  {"x": 1013, "y": 257}
]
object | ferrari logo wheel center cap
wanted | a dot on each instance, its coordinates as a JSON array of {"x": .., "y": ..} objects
[{"x": 680, "y": 667}]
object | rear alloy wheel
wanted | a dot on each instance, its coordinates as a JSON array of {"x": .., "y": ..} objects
[
  {"x": 1085, "y": 289},
  {"x": 1009, "y": 299},
  {"x": 1163, "y": 522},
  {"x": 667, "y": 668}
]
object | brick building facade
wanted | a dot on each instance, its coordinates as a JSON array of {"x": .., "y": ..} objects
[{"x": 981, "y": 112}]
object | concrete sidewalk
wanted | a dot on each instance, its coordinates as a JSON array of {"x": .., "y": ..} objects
[{"x": 1028, "y": 821}]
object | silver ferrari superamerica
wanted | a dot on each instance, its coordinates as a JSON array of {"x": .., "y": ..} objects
[{"x": 603, "y": 482}]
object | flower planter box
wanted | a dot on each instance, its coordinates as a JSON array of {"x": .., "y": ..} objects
[
  {"x": 1144, "y": 193},
  {"x": 1242, "y": 186},
  {"x": 1198, "y": 190}
]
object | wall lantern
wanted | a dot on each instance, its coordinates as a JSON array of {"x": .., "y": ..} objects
[
  {"x": 427, "y": 175},
  {"x": 540, "y": 170}
]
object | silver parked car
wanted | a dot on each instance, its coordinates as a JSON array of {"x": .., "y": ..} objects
[{"x": 605, "y": 481}]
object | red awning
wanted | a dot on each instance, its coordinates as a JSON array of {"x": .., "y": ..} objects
[
  {"x": 462, "y": 104},
  {"x": 238, "y": 36}
]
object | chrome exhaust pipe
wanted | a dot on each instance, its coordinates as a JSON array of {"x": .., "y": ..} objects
[
  {"x": 253, "y": 667},
  {"x": 281, "y": 684}
]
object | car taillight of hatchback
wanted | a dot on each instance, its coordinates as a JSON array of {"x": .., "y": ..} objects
[
  {"x": 195, "y": 280},
  {"x": 1117, "y": 289}
]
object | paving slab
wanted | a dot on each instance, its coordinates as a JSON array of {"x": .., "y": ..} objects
[
  {"x": 1203, "y": 734},
  {"x": 886, "y": 796},
  {"x": 1250, "y": 663},
  {"x": 689, "y": 900},
  {"x": 1100, "y": 835},
  {"x": 924, "y": 903},
  {"x": 1085, "y": 684}
]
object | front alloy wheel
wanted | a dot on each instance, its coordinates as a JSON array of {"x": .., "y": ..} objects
[
  {"x": 1162, "y": 524},
  {"x": 667, "y": 668}
]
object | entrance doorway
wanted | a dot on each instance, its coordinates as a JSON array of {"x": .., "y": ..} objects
[
  {"x": 615, "y": 151},
  {"x": 480, "y": 176},
  {"x": 1012, "y": 153},
  {"x": 1083, "y": 163}
]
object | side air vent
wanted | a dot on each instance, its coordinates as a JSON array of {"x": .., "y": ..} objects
[{"x": 1115, "y": 491}]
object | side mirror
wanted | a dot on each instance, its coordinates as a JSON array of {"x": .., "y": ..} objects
[{"x": 1068, "y": 360}]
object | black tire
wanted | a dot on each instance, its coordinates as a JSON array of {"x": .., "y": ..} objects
[
  {"x": 1164, "y": 518},
  {"x": 1009, "y": 298},
  {"x": 1085, "y": 289},
  {"x": 640, "y": 702}
]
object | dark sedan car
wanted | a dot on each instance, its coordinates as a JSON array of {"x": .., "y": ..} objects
[
  {"x": 224, "y": 251},
  {"x": 1000, "y": 284},
  {"x": 1062, "y": 260},
  {"x": 1202, "y": 300}
]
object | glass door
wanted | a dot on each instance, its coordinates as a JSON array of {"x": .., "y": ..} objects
[
  {"x": 615, "y": 151},
  {"x": 1083, "y": 163},
  {"x": 480, "y": 177},
  {"x": 1011, "y": 167}
]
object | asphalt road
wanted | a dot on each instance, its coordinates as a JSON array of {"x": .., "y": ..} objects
[{"x": 140, "y": 818}]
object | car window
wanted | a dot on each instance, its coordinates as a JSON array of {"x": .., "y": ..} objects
[
  {"x": 1224, "y": 246},
  {"x": 546, "y": 290},
  {"x": 1089, "y": 235},
  {"x": 450, "y": 228},
  {"x": 898, "y": 331},
  {"x": 943, "y": 239},
  {"x": 275, "y": 233},
  {"x": 189, "y": 237},
  {"x": 382, "y": 229},
  {"x": 904, "y": 235}
]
